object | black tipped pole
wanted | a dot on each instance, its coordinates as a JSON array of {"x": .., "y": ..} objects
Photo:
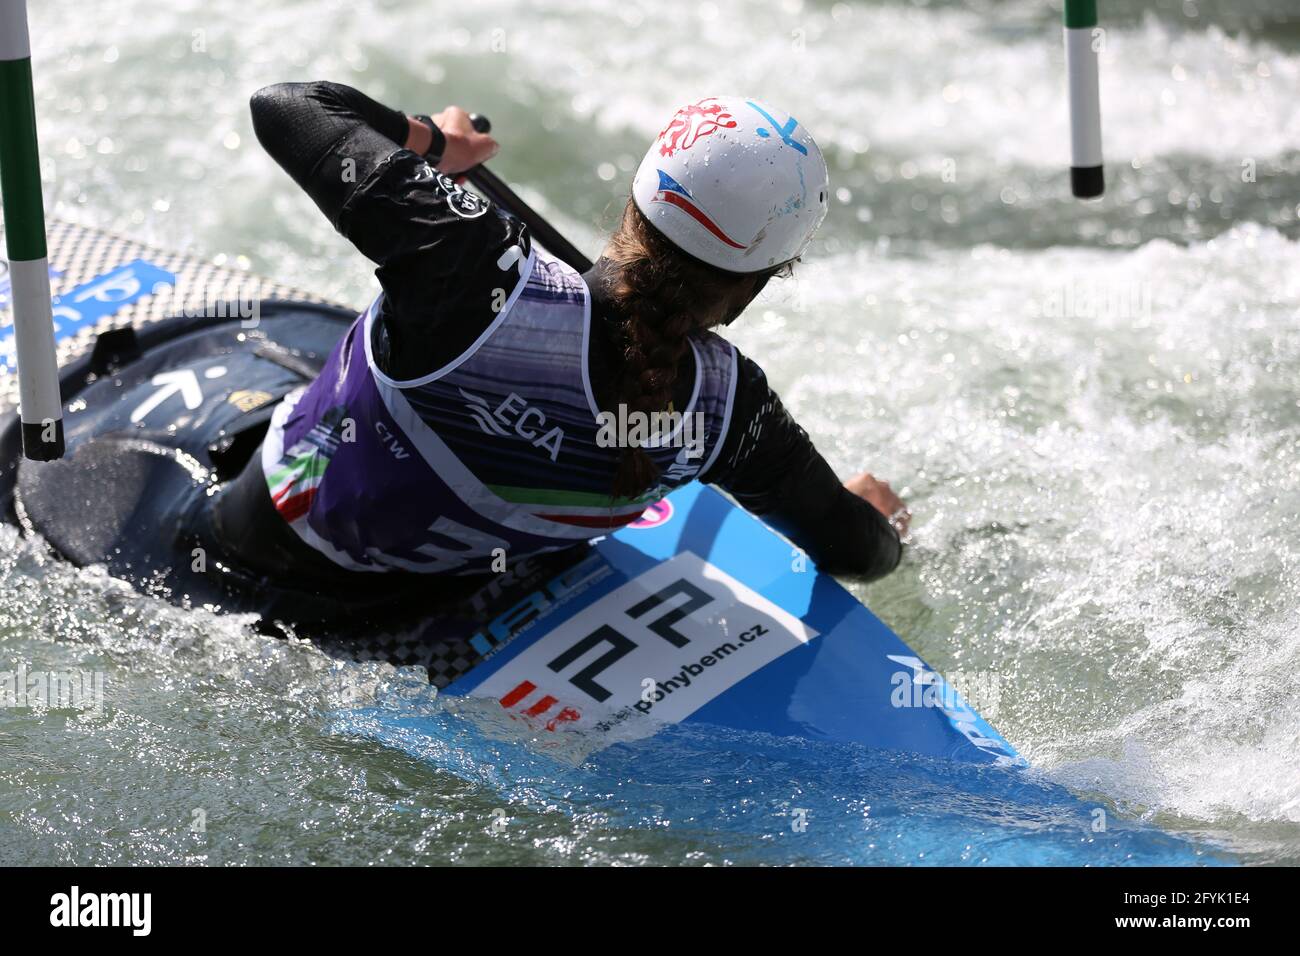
[
  {"x": 40, "y": 406},
  {"x": 1081, "y": 53},
  {"x": 492, "y": 186}
]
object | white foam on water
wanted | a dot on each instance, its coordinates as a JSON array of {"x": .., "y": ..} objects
[
  {"x": 963, "y": 82},
  {"x": 1106, "y": 490}
]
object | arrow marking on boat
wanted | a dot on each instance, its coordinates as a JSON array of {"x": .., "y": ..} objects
[{"x": 183, "y": 382}]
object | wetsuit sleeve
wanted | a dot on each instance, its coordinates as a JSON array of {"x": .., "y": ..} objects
[
  {"x": 441, "y": 252},
  {"x": 330, "y": 138},
  {"x": 768, "y": 464}
]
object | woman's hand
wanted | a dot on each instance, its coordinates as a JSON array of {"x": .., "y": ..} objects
[
  {"x": 466, "y": 146},
  {"x": 880, "y": 496}
]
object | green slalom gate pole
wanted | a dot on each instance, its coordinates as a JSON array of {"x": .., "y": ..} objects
[
  {"x": 1086, "y": 179},
  {"x": 20, "y": 181}
]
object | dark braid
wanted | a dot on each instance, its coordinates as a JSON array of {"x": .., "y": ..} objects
[{"x": 666, "y": 296}]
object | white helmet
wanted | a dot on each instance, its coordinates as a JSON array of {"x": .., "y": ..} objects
[{"x": 734, "y": 183}]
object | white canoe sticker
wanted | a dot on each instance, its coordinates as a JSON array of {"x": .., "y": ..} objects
[{"x": 660, "y": 646}]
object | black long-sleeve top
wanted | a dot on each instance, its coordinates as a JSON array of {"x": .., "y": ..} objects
[{"x": 440, "y": 279}]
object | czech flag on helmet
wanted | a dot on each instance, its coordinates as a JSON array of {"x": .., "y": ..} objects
[{"x": 734, "y": 183}]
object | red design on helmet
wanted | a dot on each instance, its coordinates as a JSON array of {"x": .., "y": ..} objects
[{"x": 691, "y": 123}]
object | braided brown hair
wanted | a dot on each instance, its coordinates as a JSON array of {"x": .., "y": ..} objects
[{"x": 666, "y": 296}]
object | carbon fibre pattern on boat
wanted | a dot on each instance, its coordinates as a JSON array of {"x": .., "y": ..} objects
[{"x": 79, "y": 254}]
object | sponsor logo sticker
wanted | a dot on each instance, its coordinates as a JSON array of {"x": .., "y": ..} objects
[
  {"x": 662, "y": 645},
  {"x": 95, "y": 299},
  {"x": 247, "y": 399},
  {"x": 461, "y": 201},
  {"x": 661, "y": 512}
]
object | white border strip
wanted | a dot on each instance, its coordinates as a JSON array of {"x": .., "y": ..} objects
[
  {"x": 726, "y": 416},
  {"x": 455, "y": 363}
]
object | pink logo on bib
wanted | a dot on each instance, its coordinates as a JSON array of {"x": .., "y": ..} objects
[{"x": 658, "y": 513}]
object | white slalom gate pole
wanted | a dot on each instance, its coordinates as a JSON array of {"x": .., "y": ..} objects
[
  {"x": 1081, "y": 53},
  {"x": 20, "y": 180}
]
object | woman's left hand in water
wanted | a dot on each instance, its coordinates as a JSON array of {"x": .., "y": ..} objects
[{"x": 880, "y": 496}]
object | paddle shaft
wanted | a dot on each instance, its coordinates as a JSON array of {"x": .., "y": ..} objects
[{"x": 494, "y": 188}]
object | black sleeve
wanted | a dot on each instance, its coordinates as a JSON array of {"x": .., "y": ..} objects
[
  {"x": 768, "y": 464},
  {"x": 330, "y": 138},
  {"x": 445, "y": 256}
]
